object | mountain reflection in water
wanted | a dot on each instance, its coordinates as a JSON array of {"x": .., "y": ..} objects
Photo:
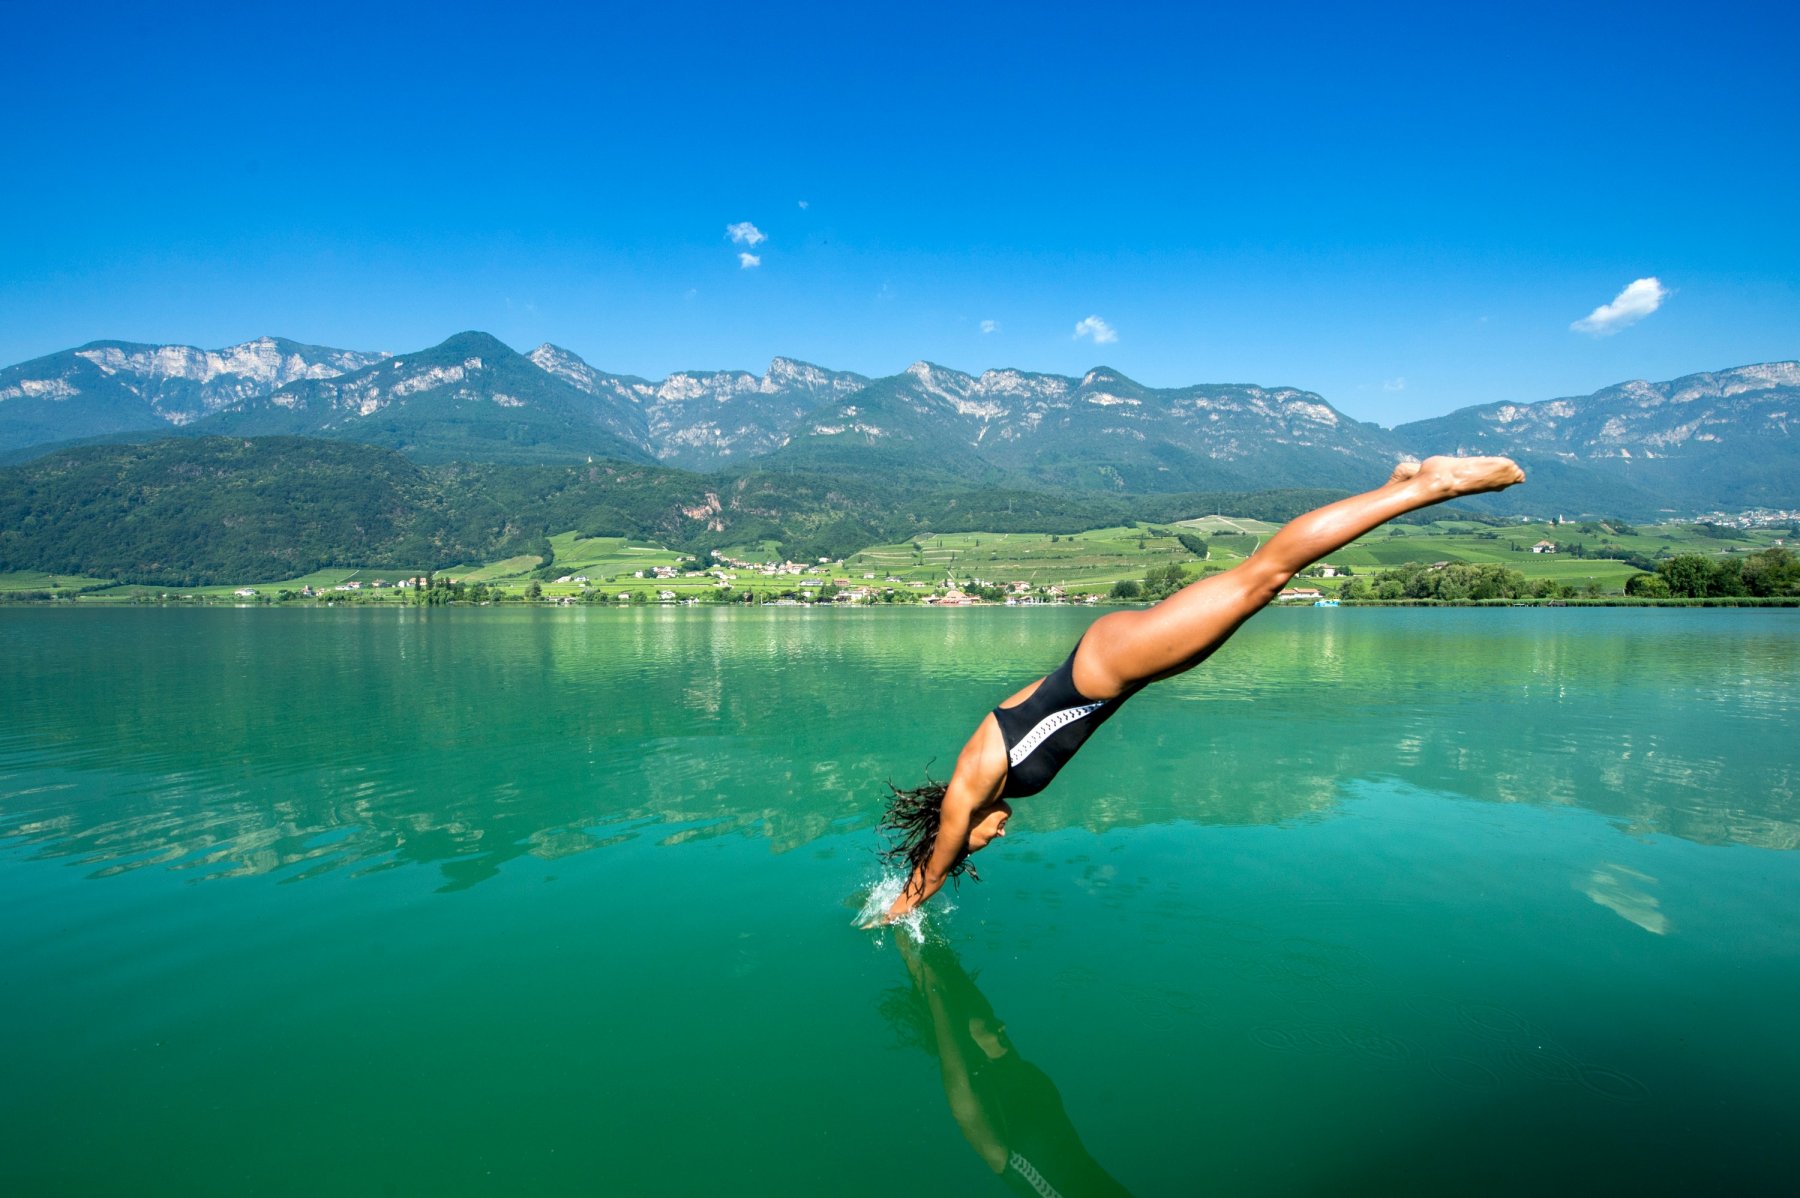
[{"x": 296, "y": 742}]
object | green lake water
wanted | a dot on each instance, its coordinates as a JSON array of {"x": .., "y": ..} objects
[{"x": 512, "y": 901}]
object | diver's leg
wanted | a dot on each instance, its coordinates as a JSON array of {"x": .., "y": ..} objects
[{"x": 1130, "y": 647}]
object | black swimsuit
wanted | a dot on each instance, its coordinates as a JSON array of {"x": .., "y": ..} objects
[{"x": 1044, "y": 731}]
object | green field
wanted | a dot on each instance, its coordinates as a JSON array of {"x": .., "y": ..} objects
[
  {"x": 611, "y": 563},
  {"x": 1608, "y": 573},
  {"x": 35, "y": 580},
  {"x": 1095, "y": 559},
  {"x": 1081, "y": 562},
  {"x": 1510, "y": 546},
  {"x": 1206, "y": 526},
  {"x": 768, "y": 552},
  {"x": 319, "y": 580},
  {"x": 1090, "y": 560}
]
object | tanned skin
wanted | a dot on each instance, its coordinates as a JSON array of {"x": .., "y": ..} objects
[{"x": 1129, "y": 648}]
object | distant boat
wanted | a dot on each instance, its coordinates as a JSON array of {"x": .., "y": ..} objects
[{"x": 1326, "y": 603}]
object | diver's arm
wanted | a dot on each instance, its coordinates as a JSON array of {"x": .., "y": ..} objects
[
  {"x": 959, "y": 1090},
  {"x": 977, "y": 780},
  {"x": 954, "y": 820},
  {"x": 965, "y": 1103}
]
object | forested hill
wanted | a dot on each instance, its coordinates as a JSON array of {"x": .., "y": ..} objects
[{"x": 189, "y": 511}]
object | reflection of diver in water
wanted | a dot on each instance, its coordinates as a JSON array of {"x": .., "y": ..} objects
[{"x": 1008, "y": 1109}]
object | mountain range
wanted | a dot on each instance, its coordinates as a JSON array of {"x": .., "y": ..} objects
[{"x": 1717, "y": 440}]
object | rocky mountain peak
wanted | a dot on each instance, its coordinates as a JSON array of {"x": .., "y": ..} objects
[
  {"x": 269, "y": 361},
  {"x": 550, "y": 352},
  {"x": 952, "y": 386},
  {"x": 562, "y": 364},
  {"x": 1021, "y": 384},
  {"x": 783, "y": 369},
  {"x": 1704, "y": 441},
  {"x": 1723, "y": 384}
]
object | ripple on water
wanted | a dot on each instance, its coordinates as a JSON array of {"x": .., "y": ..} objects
[
  {"x": 1544, "y": 1062},
  {"x": 1612, "y": 1083},
  {"x": 1159, "y": 1019},
  {"x": 1464, "y": 1072},
  {"x": 1373, "y": 1043},
  {"x": 1433, "y": 1008},
  {"x": 1167, "y": 1012},
  {"x": 1299, "y": 1036},
  {"x": 1280, "y": 1039},
  {"x": 1494, "y": 1022}
]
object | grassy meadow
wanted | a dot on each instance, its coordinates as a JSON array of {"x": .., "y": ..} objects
[
  {"x": 319, "y": 580},
  {"x": 596, "y": 558},
  {"x": 1091, "y": 560},
  {"x": 38, "y": 580},
  {"x": 1080, "y": 562}
]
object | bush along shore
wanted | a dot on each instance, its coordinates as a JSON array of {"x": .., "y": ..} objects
[{"x": 1582, "y": 601}]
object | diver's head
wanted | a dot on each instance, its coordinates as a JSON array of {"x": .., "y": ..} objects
[
  {"x": 990, "y": 1036},
  {"x": 911, "y": 826},
  {"x": 988, "y": 822}
]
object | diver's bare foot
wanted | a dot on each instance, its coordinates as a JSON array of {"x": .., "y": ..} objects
[
  {"x": 1470, "y": 476},
  {"x": 1402, "y": 472}
]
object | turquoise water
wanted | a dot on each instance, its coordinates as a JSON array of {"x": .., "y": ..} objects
[{"x": 512, "y": 901}]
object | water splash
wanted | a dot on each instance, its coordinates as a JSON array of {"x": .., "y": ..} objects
[{"x": 882, "y": 893}]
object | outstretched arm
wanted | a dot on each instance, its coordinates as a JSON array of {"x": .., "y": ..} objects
[
  {"x": 952, "y": 842},
  {"x": 975, "y": 783},
  {"x": 977, "y": 1128}
]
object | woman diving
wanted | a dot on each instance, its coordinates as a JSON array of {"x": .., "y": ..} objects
[{"x": 1020, "y": 745}]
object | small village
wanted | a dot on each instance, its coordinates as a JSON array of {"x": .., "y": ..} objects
[
  {"x": 812, "y": 585},
  {"x": 1561, "y": 558}
]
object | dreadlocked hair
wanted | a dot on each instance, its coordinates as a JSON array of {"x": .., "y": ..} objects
[{"x": 911, "y": 827}]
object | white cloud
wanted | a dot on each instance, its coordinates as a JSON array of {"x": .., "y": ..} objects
[
  {"x": 990, "y": 326},
  {"x": 747, "y": 261},
  {"x": 804, "y": 203},
  {"x": 1098, "y": 329},
  {"x": 1631, "y": 305},
  {"x": 745, "y": 233},
  {"x": 1394, "y": 384}
]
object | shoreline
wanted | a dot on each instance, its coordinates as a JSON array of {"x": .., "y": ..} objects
[{"x": 28, "y": 599}]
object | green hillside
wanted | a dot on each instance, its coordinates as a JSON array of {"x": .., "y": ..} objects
[
  {"x": 1082, "y": 562},
  {"x": 213, "y": 510}
]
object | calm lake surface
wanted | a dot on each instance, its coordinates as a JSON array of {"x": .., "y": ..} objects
[{"x": 487, "y": 902}]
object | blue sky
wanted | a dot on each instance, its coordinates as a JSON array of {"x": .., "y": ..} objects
[{"x": 1404, "y": 210}]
